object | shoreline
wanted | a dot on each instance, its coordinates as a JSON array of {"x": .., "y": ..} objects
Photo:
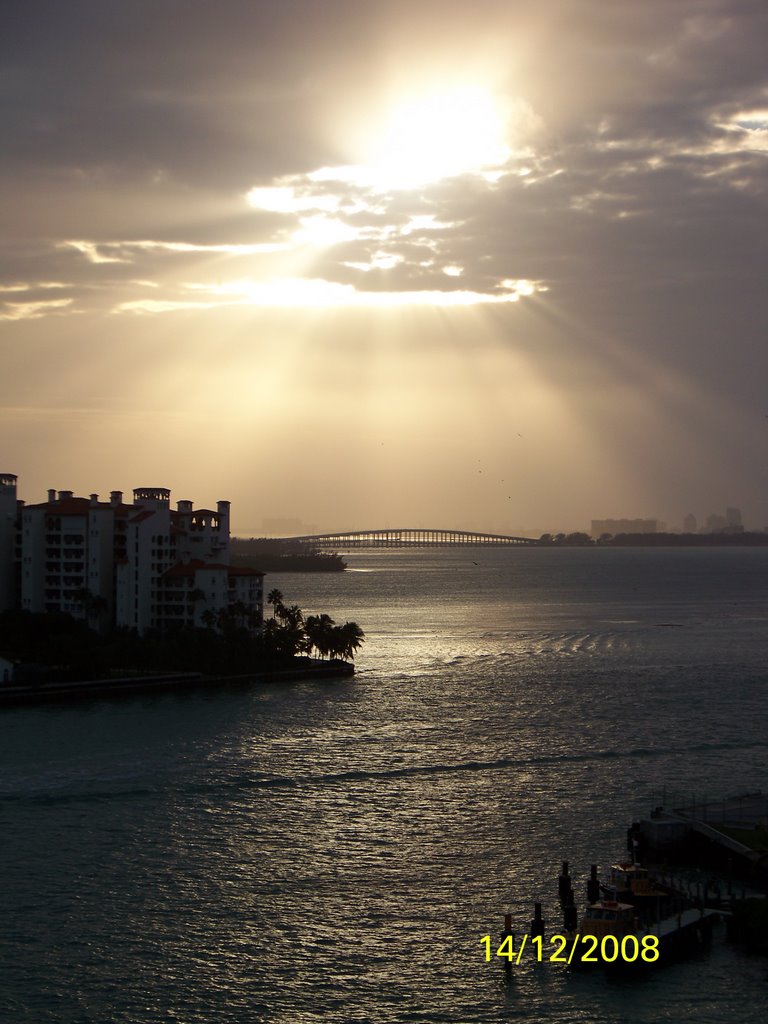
[{"x": 13, "y": 694}]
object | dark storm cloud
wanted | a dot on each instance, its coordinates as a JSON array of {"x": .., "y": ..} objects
[{"x": 206, "y": 92}]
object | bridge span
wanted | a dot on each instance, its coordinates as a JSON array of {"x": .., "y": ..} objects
[{"x": 409, "y": 538}]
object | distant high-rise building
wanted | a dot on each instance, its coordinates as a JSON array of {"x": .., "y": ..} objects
[
  {"x": 733, "y": 518},
  {"x": 690, "y": 523},
  {"x": 616, "y": 526},
  {"x": 714, "y": 522}
]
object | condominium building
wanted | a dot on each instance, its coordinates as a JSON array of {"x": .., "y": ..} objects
[{"x": 141, "y": 565}]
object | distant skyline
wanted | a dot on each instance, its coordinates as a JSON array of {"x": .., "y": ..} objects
[
  {"x": 362, "y": 264},
  {"x": 287, "y": 526},
  {"x": 295, "y": 527}
]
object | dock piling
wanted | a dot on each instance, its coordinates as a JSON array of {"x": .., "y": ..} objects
[{"x": 537, "y": 922}]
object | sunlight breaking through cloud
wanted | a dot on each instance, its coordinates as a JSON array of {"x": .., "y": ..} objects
[
  {"x": 107, "y": 252},
  {"x": 316, "y": 292},
  {"x": 749, "y": 129}
]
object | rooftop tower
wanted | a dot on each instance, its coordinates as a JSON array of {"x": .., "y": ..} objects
[{"x": 8, "y": 515}]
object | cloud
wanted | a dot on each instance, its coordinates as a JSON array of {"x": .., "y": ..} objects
[
  {"x": 601, "y": 208},
  {"x": 30, "y": 286},
  {"x": 315, "y": 292},
  {"x": 106, "y": 252},
  {"x": 34, "y": 310}
]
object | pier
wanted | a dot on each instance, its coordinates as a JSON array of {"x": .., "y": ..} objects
[
  {"x": 70, "y": 690},
  {"x": 729, "y": 835}
]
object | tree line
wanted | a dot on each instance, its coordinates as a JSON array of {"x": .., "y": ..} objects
[
  {"x": 58, "y": 646},
  {"x": 289, "y": 633},
  {"x": 272, "y": 555},
  {"x": 652, "y": 540}
]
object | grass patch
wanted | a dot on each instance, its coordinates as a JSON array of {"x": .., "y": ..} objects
[{"x": 755, "y": 838}]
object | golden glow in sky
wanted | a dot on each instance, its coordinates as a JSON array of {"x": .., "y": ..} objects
[
  {"x": 424, "y": 137},
  {"x": 439, "y": 134},
  {"x": 489, "y": 252}
]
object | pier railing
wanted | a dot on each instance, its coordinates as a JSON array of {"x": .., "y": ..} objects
[{"x": 741, "y": 810}]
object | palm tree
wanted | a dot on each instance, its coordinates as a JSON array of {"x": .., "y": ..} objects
[
  {"x": 291, "y": 618},
  {"x": 275, "y": 598},
  {"x": 318, "y": 629},
  {"x": 353, "y": 638},
  {"x": 334, "y": 642},
  {"x": 280, "y": 642},
  {"x": 305, "y": 644},
  {"x": 344, "y": 640},
  {"x": 310, "y": 631},
  {"x": 293, "y": 639}
]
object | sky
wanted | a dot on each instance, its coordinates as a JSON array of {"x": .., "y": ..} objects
[{"x": 497, "y": 266}]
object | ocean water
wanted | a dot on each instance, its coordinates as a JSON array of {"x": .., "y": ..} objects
[{"x": 335, "y": 851}]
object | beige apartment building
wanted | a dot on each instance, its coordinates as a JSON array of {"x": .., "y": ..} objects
[{"x": 140, "y": 565}]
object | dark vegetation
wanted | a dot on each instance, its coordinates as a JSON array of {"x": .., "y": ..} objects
[
  {"x": 657, "y": 540},
  {"x": 566, "y": 539},
  {"x": 271, "y": 555},
  {"x": 291, "y": 633},
  {"x": 755, "y": 838},
  {"x": 749, "y": 924},
  {"x": 57, "y": 646}
]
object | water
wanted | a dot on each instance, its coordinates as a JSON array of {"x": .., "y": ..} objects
[{"x": 335, "y": 851}]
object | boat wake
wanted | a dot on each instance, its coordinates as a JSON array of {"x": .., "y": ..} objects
[{"x": 67, "y": 794}]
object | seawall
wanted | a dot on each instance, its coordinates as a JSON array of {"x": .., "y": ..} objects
[{"x": 59, "y": 690}]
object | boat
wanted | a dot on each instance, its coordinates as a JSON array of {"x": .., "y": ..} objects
[
  {"x": 631, "y": 883},
  {"x": 612, "y": 934},
  {"x": 628, "y": 922}
]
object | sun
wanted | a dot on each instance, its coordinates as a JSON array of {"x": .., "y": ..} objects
[
  {"x": 439, "y": 134},
  {"x": 423, "y": 138}
]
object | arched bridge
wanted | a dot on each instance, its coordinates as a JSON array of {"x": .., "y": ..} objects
[{"x": 409, "y": 538}]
